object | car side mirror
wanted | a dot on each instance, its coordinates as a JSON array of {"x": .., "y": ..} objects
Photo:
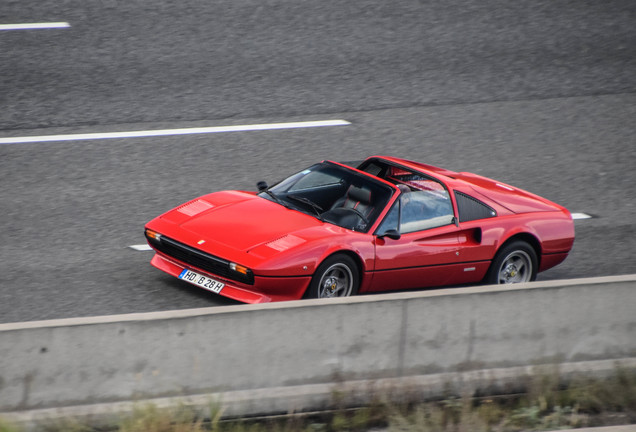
[
  {"x": 393, "y": 234},
  {"x": 261, "y": 185}
]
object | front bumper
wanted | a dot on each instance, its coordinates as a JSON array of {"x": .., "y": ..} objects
[{"x": 264, "y": 289}]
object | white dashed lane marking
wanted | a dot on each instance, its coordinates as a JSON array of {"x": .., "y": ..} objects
[
  {"x": 579, "y": 216},
  {"x": 168, "y": 132},
  {"x": 35, "y": 26},
  {"x": 141, "y": 247}
]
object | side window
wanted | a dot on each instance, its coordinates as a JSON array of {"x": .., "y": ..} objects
[
  {"x": 391, "y": 219},
  {"x": 470, "y": 208},
  {"x": 424, "y": 201},
  {"x": 425, "y": 209}
]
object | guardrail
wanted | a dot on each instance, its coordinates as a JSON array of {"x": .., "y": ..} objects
[{"x": 274, "y": 353}]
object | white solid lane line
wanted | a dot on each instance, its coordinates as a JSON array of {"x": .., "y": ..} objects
[
  {"x": 145, "y": 247},
  {"x": 167, "y": 132},
  {"x": 34, "y": 26}
]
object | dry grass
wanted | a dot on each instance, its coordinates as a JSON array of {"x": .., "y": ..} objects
[{"x": 548, "y": 404}]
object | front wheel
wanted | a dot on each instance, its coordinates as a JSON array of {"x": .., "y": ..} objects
[
  {"x": 514, "y": 263},
  {"x": 337, "y": 276}
]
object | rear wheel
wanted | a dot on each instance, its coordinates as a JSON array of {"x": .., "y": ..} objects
[
  {"x": 337, "y": 276},
  {"x": 514, "y": 263}
]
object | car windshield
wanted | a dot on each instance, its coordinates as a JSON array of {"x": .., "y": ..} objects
[{"x": 333, "y": 194}]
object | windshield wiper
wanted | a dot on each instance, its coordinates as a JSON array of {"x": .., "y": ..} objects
[
  {"x": 316, "y": 208},
  {"x": 275, "y": 198}
]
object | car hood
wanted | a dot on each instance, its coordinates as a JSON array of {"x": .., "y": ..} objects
[{"x": 241, "y": 221}]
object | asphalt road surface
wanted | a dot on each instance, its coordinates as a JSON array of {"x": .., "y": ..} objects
[{"x": 538, "y": 94}]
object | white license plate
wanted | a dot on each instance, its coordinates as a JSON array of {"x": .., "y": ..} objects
[{"x": 201, "y": 281}]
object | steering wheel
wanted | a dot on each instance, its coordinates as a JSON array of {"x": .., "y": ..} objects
[{"x": 357, "y": 212}]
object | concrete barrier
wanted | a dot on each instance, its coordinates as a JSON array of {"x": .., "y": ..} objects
[{"x": 264, "y": 349}]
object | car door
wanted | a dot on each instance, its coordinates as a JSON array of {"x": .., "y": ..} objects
[{"x": 427, "y": 251}]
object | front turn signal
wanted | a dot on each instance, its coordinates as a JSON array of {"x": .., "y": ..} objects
[
  {"x": 239, "y": 268},
  {"x": 153, "y": 235}
]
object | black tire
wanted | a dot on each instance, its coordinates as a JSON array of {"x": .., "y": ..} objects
[
  {"x": 337, "y": 276},
  {"x": 515, "y": 262}
]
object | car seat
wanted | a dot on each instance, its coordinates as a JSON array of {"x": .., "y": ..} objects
[{"x": 358, "y": 198}]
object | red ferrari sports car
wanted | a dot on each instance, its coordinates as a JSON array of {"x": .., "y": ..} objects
[{"x": 333, "y": 230}]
